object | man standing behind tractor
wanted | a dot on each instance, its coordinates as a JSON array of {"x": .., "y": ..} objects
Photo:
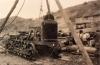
[{"x": 84, "y": 37}]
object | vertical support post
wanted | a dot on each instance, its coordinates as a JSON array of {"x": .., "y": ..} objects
[
  {"x": 48, "y": 6},
  {"x": 78, "y": 41}
]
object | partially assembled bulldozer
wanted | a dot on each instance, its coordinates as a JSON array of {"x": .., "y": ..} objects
[
  {"x": 30, "y": 44},
  {"x": 34, "y": 43}
]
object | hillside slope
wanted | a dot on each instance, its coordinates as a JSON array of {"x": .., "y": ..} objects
[
  {"x": 18, "y": 25},
  {"x": 86, "y": 9}
]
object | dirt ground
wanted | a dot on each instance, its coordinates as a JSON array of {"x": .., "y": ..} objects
[{"x": 69, "y": 59}]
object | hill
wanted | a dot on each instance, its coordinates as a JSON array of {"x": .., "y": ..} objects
[
  {"x": 18, "y": 25},
  {"x": 83, "y": 10}
]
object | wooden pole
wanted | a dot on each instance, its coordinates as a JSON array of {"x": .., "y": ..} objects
[
  {"x": 48, "y": 6},
  {"x": 78, "y": 41},
  {"x": 7, "y": 17}
]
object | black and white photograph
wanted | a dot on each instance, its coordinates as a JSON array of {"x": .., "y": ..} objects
[{"x": 49, "y": 32}]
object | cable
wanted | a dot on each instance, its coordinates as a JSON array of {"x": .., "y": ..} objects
[
  {"x": 53, "y": 49},
  {"x": 41, "y": 9},
  {"x": 16, "y": 14}
]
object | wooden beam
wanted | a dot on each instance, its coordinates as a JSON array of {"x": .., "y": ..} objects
[
  {"x": 78, "y": 41},
  {"x": 75, "y": 47},
  {"x": 48, "y": 6},
  {"x": 7, "y": 17}
]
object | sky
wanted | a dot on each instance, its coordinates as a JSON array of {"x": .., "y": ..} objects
[{"x": 31, "y": 8}]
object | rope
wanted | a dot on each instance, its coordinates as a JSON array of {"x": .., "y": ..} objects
[
  {"x": 16, "y": 15},
  {"x": 58, "y": 45},
  {"x": 41, "y": 9}
]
